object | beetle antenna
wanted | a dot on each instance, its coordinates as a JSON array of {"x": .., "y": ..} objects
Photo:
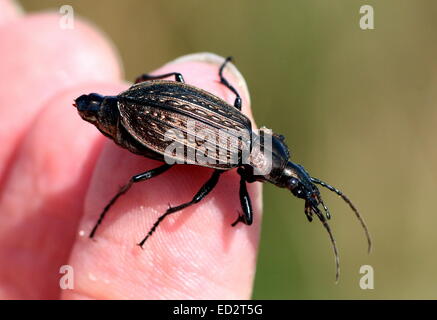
[
  {"x": 351, "y": 205},
  {"x": 331, "y": 236}
]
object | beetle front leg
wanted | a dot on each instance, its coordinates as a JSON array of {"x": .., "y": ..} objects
[
  {"x": 247, "y": 217},
  {"x": 137, "y": 178},
  {"x": 202, "y": 193},
  {"x": 146, "y": 77},
  {"x": 237, "y": 102}
]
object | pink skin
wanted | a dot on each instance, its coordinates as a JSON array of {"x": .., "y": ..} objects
[
  {"x": 57, "y": 172},
  {"x": 9, "y": 11}
]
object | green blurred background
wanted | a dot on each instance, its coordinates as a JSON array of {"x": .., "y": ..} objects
[{"x": 357, "y": 109}]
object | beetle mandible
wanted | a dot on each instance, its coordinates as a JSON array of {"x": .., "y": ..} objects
[{"x": 138, "y": 118}]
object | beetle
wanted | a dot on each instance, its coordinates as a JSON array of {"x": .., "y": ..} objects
[{"x": 139, "y": 118}]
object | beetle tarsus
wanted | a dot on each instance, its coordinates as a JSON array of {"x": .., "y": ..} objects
[
  {"x": 246, "y": 205},
  {"x": 237, "y": 102},
  {"x": 140, "y": 245},
  {"x": 202, "y": 193},
  {"x": 146, "y": 77},
  {"x": 137, "y": 178},
  {"x": 239, "y": 219}
]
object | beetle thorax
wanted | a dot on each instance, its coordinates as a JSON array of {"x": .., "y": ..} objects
[{"x": 108, "y": 117}]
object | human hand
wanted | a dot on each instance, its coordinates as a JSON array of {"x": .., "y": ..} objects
[{"x": 57, "y": 172}]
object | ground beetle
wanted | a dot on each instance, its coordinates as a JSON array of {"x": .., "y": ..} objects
[{"x": 138, "y": 118}]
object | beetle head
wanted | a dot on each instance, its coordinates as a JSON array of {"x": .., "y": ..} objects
[
  {"x": 301, "y": 186},
  {"x": 100, "y": 110},
  {"x": 89, "y": 106}
]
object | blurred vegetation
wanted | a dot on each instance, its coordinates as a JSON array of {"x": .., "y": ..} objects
[{"x": 357, "y": 109}]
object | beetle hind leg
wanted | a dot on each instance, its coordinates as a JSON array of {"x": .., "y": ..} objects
[
  {"x": 137, "y": 178},
  {"x": 146, "y": 77},
  {"x": 202, "y": 193},
  {"x": 237, "y": 102}
]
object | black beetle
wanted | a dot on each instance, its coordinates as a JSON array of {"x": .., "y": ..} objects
[{"x": 139, "y": 118}]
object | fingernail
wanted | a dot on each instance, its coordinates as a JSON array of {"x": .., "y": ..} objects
[{"x": 212, "y": 58}]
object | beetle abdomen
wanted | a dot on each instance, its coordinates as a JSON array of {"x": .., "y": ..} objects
[{"x": 185, "y": 124}]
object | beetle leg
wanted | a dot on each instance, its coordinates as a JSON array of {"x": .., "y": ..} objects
[
  {"x": 137, "y": 178},
  {"x": 145, "y": 77},
  {"x": 247, "y": 217},
  {"x": 202, "y": 193},
  {"x": 237, "y": 102}
]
